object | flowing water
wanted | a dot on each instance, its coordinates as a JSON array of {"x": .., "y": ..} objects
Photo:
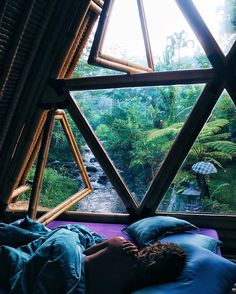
[{"x": 104, "y": 198}]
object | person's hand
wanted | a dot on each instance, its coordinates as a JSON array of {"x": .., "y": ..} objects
[{"x": 130, "y": 248}]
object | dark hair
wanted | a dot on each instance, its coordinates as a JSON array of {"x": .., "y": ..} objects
[{"x": 160, "y": 263}]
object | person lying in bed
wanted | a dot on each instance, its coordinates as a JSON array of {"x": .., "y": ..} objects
[{"x": 117, "y": 266}]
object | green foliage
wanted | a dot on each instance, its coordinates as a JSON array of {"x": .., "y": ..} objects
[
  {"x": 221, "y": 189},
  {"x": 213, "y": 144},
  {"x": 164, "y": 134},
  {"x": 213, "y": 206},
  {"x": 56, "y": 188}
]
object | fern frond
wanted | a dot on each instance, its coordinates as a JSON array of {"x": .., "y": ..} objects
[
  {"x": 218, "y": 123},
  {"x": 158, "y": 133},
  {"x": 224, "y": 146},
  {"x": 214, "y": 127},
  {"x": 177, "y": 125},
  {"x": 218, "y": 155},
  {"x": 221, "y": 189},
  {"x": 184, "y": 112}
]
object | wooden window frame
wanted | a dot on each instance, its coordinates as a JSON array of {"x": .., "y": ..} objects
[{"x": 96, "y": 56}]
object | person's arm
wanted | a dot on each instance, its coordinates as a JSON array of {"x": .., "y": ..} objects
[
  {"x": 95, "y": 248},
  {"x": 117, "y": 241}
]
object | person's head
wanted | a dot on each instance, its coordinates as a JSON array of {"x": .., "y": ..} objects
[{"x": 160, "y": 263}]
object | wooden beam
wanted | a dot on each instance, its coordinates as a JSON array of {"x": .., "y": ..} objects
[
  {"x": 83, "y": 41},
  {"x": 59, "y": 209},
  {"x": 19, "y": 190},
  {"x": 95, "y": 8},
  {"x": 100, "y": 32},
  {"x": 210, "y": 46},
  {"x": 68, "y": 50},
  {"x": 230, "y": 72},
  {"x": 72, "y": 51},
  {"x": 182, "y": 77},
  {"x": 33, "y": 151},
  {"x": 146, "y": 38},
  {"x": 25, "y": 16},
  {"x": 111, "y": 62},
  {"x": 60, "y": 114},
  {"x": 42, "y": 160}
]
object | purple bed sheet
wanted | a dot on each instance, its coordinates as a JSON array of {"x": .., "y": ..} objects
[
  {"x": 113, "y": 230},
  {"x": 105, "y": 230}
]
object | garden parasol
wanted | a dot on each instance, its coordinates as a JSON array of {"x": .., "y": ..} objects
[{"x": 202, "y": 169}]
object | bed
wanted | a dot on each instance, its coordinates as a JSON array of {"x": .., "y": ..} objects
[{"x": 206, "y": 270}]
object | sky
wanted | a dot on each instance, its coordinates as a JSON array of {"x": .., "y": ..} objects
[{"x": 163, "y": 18}]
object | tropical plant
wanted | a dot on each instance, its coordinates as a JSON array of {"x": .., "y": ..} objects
[
  {"x": 55, "y": 189},
  {"x": 213, "y": 144}
]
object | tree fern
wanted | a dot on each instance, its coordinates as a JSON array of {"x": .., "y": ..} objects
[
  {"x": 216, "y": 156},
  {"x": 226, "y": 147},
  {"x": 170, "y": 132},
  {"x": 221, "y": 189},
  {"x": 213, "y": 127}
]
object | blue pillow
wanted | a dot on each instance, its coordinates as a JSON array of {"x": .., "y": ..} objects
[
  {"x": 194, "y": 239},
  {"x": 205, "y": 272},
  {"x": 150, "y": 229}
]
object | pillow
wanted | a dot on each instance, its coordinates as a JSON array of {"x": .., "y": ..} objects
[
  {"x": 194, "y": 239},
  {"x": 204, "y": 272},
  {"x": 150, "y": 229}
]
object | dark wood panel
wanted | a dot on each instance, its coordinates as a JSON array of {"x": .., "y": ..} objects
[{"x": 138, "y": 80}]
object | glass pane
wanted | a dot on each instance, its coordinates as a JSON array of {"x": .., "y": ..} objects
[
  {"x": 220, "y": 17},
  {"x": 22, "y": 201},
  {"x": 104, "y": 198},
  {"x": 123, "y": 38},
  {"x": 137, "y": 126},
  {"x": 83, "y": 69},
  {"x": 173, "y": 42},
  {"x": 62, "y": 176},
  {"x": 206, "y": 181}
]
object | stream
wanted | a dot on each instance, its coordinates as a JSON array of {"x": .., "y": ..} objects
[{"x": 104, "y": 198}]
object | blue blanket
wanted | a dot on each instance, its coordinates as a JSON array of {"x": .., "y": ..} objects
[{"x": 35, "y": 259}]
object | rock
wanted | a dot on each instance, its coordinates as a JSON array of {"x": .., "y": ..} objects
[
  {"x": 102, "y": 180},
  {"x": 93, "y": 159},
  {"x": 91, "y": 168}
]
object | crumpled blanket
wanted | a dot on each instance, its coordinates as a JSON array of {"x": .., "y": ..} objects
[{"x": 35, "y": 259}]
